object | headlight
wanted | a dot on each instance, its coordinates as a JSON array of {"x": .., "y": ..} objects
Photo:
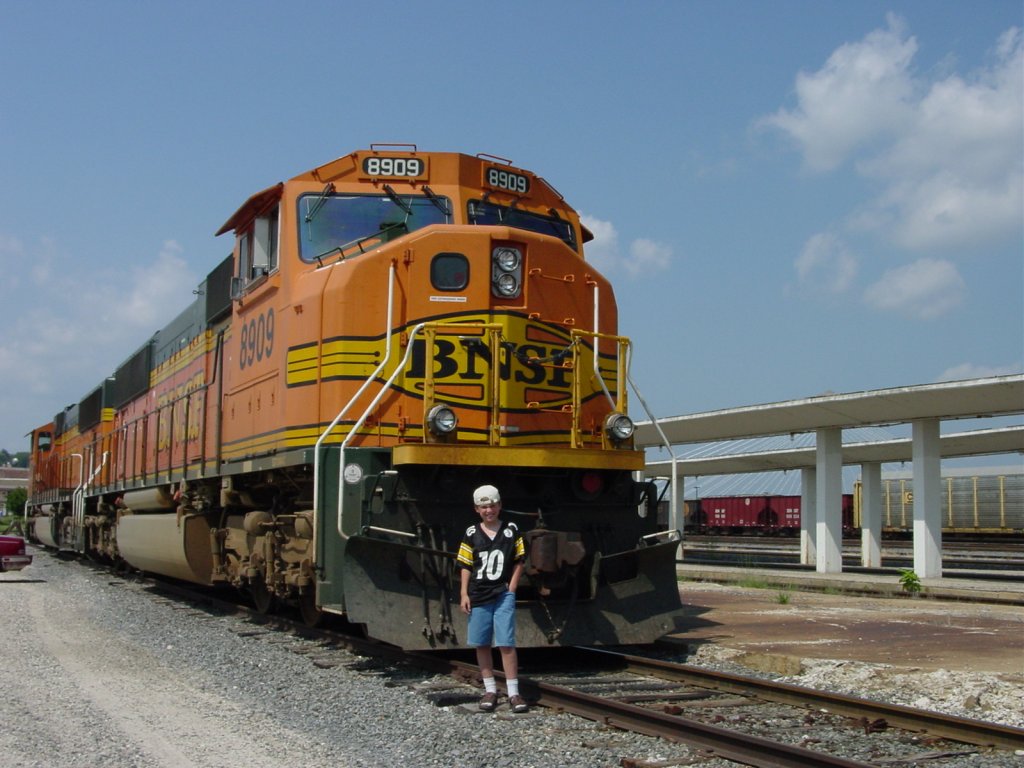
[
  {"x": 506, "y": 271},
  {"x": 507, "y": 259},
  {"x": 441, "y": 420},
  {"x": 619, "y": 427},
  {"x": 507, "y": 285}
]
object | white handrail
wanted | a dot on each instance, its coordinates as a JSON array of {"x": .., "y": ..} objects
[
  {"x": 674, "y": 499},
  {"x": 76, "y": 495},
  {"x": 597, "y": 355},
  {"x": 362, "y": 420},
  {"x": 388, "y": 332}
]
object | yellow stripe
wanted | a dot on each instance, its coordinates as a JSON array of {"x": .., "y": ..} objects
[{"x": 489, "y": 456}]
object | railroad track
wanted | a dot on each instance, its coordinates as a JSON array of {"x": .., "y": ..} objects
[
  {"x": 1001, "y": 569},
  {"x": 864, "y": 711},
  {"x": 669, "y": 700}
]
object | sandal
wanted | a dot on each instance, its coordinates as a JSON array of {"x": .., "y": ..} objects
[
  {"x": 518, "y": 704},
  {"x": 488, "y": 702}
]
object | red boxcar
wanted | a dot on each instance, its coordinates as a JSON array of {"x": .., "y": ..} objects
[{"x": 754, "y": 514}]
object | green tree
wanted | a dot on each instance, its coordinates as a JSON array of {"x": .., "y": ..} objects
[
  {"x": 19, "y": 459},
  {"x": 16, "y": 499}
]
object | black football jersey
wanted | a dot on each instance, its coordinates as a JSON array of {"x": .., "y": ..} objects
[{"x": 490, "y": 561}]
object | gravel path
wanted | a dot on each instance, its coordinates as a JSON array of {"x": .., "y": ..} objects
[{"x": 101, "y": 672}]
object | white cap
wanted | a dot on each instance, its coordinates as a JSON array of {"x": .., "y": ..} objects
[{"x": 486, "y": 494}]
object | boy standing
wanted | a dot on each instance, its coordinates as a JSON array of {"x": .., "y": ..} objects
[{"x": 491, "y": 557}]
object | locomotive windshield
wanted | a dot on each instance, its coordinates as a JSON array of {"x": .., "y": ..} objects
[
  {"x": 481, "y": 212},
  {"x": 346, "y": 224}
]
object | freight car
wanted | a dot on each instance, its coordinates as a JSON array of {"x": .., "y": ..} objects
[
  {"x": 391, "y": 329},
  {"x": 975, "y": 504},
  {"x": 991, "y": 505},
  {"x": 753, "y": 514}
]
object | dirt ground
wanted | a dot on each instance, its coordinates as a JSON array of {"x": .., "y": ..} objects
[{"x": 915, "y": 632}]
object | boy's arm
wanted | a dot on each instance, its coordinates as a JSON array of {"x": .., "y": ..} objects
[
  {"x": 464, "y": 592},
  {"x": 517, "y": 573}
]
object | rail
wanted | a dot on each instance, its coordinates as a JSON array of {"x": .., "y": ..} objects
[
  {"x": 724, "y": 742},
  {"x": 947, "y": 726}
]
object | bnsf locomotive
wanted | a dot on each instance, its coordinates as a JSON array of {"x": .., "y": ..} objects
[{"x": 391, "y": 330}]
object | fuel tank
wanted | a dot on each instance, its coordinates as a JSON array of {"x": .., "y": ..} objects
[
  {"x": 42, "y": 530},
  {"x": 167, "y": 544}
]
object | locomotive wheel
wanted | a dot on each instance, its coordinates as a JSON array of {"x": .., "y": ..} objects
[
  {"x": 263, "y": 600},
  {"x": 311, "y": 615}
]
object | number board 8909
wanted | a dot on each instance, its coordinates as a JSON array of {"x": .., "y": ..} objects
[
  {"x": 376, "y": 167},
  {"x": 506, "y": 180}
]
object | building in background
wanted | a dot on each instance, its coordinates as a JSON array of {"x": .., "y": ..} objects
[{"x": 11, "y": 478}]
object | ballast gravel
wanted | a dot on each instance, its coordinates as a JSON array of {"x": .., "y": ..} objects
[{"x": 101, "y": 671}]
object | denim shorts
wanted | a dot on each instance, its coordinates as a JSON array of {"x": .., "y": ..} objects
[{"x": 493, "y": 623}]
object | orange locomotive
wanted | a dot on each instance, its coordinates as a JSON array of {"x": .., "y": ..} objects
[{"x": 391, "y": 330}]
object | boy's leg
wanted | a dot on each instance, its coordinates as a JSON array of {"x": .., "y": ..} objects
[
  {"x": 509, "y": 661},
  {"x": 485, "y": 660}
]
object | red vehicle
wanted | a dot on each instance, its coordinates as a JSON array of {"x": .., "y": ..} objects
[
  {"x": 12, "y": 553},
  {"x": 754, "y": 514}
]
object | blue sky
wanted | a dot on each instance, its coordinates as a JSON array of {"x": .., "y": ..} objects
[{"x": 790, "y": 197}]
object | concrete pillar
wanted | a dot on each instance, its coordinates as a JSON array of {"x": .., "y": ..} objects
[
  {"x": 676, "y": 500},
  {"x": 927, "y": 499},
  {"x": 808, "y": 516},
  {"x": 871, "y": 515},
  {"x": 829, "y": 526}
]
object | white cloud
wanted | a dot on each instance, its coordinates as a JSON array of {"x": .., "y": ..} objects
[
  {"x": 926, "y": 289},
  {"x": 955, "y": 176},
  {"x": 642, "y": 257},
  {"x": 976, "y": 371},
  {"x": 646, "y": 256},
  {"x": 166, "y": 283},
  {"x": 863, "y": 92},
  {"x": 946, "y": 153},
  {"x": 826, "y": 264},
  {"x": 71, "y": 325},
  {"x": 603, "y": 250}
]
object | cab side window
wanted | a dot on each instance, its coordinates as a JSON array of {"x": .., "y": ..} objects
[
  {"x": 257, "y": 248},
  {"x": 264, "y": 244}
]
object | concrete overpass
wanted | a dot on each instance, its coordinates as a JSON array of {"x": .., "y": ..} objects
[{"x": 924, "y": 407}]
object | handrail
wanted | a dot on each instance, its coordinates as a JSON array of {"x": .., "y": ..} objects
[
  {"x": 597, "y": 349},
  {"x": 618, "y": 402},
  {"x": 76, "y": 496},
  {"x": 417, "y": 329},
  {"x": 674, "y": 501},
  {"x": 673, "y": 514},
  {"x": 362, "y": 420},
  {"x": 388, "y": 332},
  {"x": 493, "y": 330},
  {"x": 428, "y": 329}
]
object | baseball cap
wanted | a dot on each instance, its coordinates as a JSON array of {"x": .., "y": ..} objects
[{"x": 486, "y": 494}]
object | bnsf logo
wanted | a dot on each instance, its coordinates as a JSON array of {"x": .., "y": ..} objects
[
  {"x": 534, "y": 364},
  {"x": 469, "y": 360}
]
